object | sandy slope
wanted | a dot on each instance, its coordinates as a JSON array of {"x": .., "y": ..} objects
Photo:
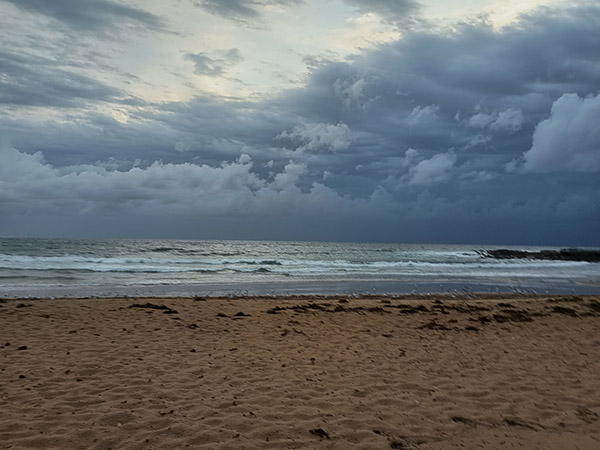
[{"x": 301, "y": 373}]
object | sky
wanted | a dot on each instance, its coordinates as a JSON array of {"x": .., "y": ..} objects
[{"x": 433, "y": 121}]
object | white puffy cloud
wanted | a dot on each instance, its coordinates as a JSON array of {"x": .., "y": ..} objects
[
  {"x": 415, "y": 169},
  {"x": 480, "y": 120},
  {"x": 569, "y": 140},
  {"x": 509, "y": 120},
  {"x": 319, "y": 137},
  {"x": 289, "y": 177},
  {"x": 433, "y": 170},
  {"x": 421, "y": 114}
]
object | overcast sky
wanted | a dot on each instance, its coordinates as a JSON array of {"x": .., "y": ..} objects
[{"x": 440, "y": 121}]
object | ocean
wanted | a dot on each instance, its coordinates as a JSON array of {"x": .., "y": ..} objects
[{"x": 100, "y": 268}]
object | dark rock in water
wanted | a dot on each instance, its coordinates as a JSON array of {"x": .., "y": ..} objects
[
  {"x": 568, "y": 254},
  {"x": 241, "y": 314}
]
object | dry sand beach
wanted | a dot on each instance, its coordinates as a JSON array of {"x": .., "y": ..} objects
[{"x": 424, "y": 372}]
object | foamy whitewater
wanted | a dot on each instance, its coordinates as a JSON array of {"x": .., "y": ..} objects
[{"x": 65, "y": 268}]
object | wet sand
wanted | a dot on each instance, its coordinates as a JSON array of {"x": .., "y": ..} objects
[{"x": 493, "y": 371}]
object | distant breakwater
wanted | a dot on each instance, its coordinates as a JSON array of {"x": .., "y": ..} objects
[{"x": 568, "y": 254}]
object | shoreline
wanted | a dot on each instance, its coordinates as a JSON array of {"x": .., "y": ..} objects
[
  {"x": 302, "y": 372},
  {"x": 306, "y": 287},
  {"x": 155, "y": 268},
  {"x": 414, "y": 297}
]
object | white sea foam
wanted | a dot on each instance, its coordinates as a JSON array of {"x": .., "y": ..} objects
[{"x": 200, "y": 263}]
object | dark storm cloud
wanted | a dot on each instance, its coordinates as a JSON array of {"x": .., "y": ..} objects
[
  {"x": 30, "y": 80},
  {"x": 240, "y": 9},
  {"x": 214, "y": 66},
  {"x": 476, "y": 134},
  {"x": 478, "y": 89},
  {"x": 435, "y": 119},
  {"x": 85, "y": 15},
  {"x": 229, "y": 8},
  {"x": 395, "y": 11},
  {"x": 203, "y": 65}
]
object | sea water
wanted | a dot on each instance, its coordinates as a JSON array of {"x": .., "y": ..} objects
[{"x": 78, "y": 267}]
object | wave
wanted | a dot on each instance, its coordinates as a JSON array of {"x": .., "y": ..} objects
[
  {"x": 187, "y": 251},
  {"x": 38, "y": 277},
  {"x": 166, "y": 249},
  {"x": 82, "y": 264},
  {"x": 78, "y": 262},
  {"x": 47, "y": 273}
]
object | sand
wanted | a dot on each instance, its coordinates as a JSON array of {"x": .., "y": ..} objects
[{"x": 429, "y": 372}]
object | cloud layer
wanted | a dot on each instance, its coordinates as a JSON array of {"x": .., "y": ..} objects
[
  {"x": 241, "y": 9},
  {"x": 469, "y": 133},
  {"x": 85, "y": 15}
]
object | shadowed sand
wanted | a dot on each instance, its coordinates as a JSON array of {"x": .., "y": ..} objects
[{"x": 422, "y": 372}]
